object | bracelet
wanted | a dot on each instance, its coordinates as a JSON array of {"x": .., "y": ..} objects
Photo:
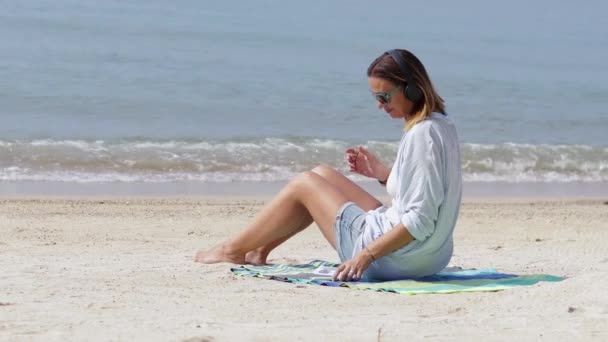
[{"x": 370, "y": 254}]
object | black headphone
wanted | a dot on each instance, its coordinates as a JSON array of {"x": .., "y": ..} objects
[{"x": 411, "y": 91}]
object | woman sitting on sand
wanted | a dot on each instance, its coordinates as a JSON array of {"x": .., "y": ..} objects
[{"x": 413, "y": 237}]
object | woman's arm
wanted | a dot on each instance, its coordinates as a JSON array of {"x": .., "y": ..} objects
[
  {"x": 353, "y": 269},
  {"x": 365, "y": 163},
  {"x": 383, "y": 174},
  {"x": 398, "y": 237}
]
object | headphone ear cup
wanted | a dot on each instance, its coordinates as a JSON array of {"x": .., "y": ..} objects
[{"x": 414, "y": 94}]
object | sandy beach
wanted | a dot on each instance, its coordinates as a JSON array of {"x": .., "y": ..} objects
[
  {"x": 135, "y": 133},
  {"x": 108, "y": 269}
]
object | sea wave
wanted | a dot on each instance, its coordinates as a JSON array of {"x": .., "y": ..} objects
[{"x": 273, "y": 159}]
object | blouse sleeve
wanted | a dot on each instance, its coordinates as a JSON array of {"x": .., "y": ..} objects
[{"x": 423, "y": 166}]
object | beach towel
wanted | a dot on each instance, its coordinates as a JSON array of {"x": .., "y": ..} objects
[{"x": 450, "y": 280}]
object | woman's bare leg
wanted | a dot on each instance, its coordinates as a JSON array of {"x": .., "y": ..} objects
[
  {"x": 307, "y": 194},
  {"x": 351, "y": 190}
]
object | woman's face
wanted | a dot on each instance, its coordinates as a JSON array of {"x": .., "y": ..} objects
[{"x": 398, "y": 106}]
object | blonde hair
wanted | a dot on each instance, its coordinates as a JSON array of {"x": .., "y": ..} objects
[{"x": 385, "y": 67}]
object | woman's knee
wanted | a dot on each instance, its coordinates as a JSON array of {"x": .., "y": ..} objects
[
  {"x": 324, "y": 170},
  {"x": 302, "y": 179}
]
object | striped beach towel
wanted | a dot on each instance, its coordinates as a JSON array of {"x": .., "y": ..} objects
[{"x": 451, "y": 280}]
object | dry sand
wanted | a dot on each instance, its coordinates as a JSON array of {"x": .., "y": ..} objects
[{"x": 121, "y": 270}]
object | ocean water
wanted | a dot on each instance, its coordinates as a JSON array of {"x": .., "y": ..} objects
[{"x": 206, "y": 92}]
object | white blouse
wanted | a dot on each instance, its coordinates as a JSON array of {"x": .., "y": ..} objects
[{"x": 425, "y": 185}]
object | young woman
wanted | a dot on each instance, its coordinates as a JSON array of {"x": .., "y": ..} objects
[{"x": 410, "y": 238}]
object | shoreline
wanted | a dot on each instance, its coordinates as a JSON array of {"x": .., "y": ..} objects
[{"x": 471, "y": 190}]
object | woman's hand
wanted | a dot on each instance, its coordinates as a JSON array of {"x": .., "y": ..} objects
[
  {"x": 353, "y": 269},
  {"x": 365, "y": 163}
]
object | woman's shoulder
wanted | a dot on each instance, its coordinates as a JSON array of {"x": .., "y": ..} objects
[
  {"x": 422, "y": 128},
  {"x": 433, "y": 129},
  {"x": 431, "y": 125}
]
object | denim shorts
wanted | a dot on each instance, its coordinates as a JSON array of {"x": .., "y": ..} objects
[{"x": 349, "y": 226}]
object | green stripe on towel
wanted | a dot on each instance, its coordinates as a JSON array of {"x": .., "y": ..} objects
[{"x": 319, "y": 272}]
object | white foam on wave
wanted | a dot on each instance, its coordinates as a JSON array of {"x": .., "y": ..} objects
[
  {"x": 15, "y": 174},
  {"x": 18, "y": 174},
  {"x": 327, "y": 144},
  {"x": 83, "y": 145},
  {"x": 273, "y": 159},
  {"x": 527, "y": 177}
]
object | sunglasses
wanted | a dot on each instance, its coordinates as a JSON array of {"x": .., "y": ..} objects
[{"x": 385, "y": 98}]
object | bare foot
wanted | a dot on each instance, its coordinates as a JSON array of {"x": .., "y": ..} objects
[
  {"x": 256, "y": 257},
  {"x": 218, "y": 254}
]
